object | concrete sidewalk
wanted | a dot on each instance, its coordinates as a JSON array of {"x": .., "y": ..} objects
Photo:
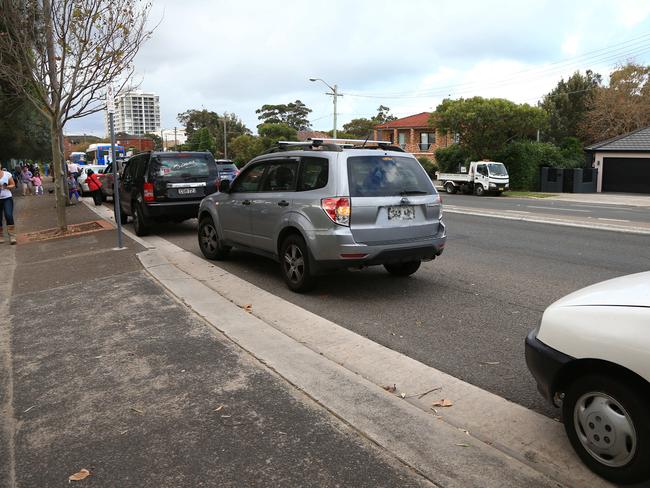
[{"x": 102, "y": 369}]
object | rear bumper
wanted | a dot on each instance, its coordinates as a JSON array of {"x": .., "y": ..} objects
[
  {"x": 544, "y": 363},
  {"x": 171, "y": 210}
]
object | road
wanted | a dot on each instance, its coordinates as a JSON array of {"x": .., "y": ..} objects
[
  {"x": 466, "y": 313},
  {"x": 597, "y": 213}
]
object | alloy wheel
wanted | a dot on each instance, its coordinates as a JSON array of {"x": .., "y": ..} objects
[{"x": 294, "y": 263}]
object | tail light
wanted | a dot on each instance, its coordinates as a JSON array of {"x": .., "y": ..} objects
[
  {"x": 148, "y": 192},
  {"x": 337, "y": 209}
]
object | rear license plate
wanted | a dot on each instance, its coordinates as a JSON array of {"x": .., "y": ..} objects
[
  {"x": 186, "y": 191},
  {"x": 401, "y": 213}
]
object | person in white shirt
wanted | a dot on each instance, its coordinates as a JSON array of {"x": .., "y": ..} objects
[{"x": 7, "y": 184}]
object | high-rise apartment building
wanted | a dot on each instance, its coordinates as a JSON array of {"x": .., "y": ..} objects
[{"x": 136, "y": 113}]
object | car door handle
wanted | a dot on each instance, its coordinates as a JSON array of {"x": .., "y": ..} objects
[
  {"x": 283, "y": 203},
  {"x": 246, "y": 202}
]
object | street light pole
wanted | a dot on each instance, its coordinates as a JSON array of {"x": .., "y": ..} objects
[{"x": 335, "y": 94}]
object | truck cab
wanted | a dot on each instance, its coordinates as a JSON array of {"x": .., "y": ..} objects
[{"x": 480, "y": 178}]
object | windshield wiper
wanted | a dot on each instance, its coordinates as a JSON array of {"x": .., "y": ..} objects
[{"x": 413, "y": 192}]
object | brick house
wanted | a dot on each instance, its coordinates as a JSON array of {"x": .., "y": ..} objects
[
  {"x": 137, "y": 144},
  {"x": 413, "y": 134}
]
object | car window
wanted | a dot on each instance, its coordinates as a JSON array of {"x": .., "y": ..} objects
[
  {"x": 314, "y": 173},
  {"x": 371, "y": 176},
  {"x": 180, "y": 165},
  {"x": 280, "y": 176},
  {"x": 227, "y": 168},
  {"x": 250, "y": 180},
  {"x": 482, "y": 169}
]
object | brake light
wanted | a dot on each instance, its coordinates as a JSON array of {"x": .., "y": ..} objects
[
  {"x": 148, "y": 192},
  {"x": 337, "y": 209}
]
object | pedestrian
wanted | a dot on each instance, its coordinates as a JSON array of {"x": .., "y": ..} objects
[
  {"x": 73, "y": 168},
  {"x": 38, "y": 183},
  {"x": 73, "y": 190},
  {"x": 7, "y": 184},
  {"x": 26, "y": 181},
  {"x": 94, "y": 186}
]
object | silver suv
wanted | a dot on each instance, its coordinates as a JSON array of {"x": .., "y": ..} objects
[{"x": 327, "y": 204}]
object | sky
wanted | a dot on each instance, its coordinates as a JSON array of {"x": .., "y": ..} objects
[{"x": 235, "y": 56}]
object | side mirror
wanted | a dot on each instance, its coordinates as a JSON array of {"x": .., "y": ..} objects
[{"x": 224, "y": 186}]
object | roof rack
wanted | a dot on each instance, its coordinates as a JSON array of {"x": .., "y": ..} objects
[{"x": 326, "y": 144}]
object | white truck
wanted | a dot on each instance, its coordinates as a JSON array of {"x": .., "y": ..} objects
[{"x": 482, "y": 177}]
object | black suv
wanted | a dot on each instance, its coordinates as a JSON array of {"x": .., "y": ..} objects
[{"x": 165, "y": 186}]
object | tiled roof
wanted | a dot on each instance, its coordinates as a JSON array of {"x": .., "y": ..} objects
[
  {"x": 638, "y": 140},
  {"x": 412, "y": 121},
  {"x": 303, "y": 135}
]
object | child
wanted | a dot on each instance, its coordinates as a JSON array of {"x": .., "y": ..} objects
[
  {"x": 72, "y": 188},
  {"x": 38, "y": 183}
]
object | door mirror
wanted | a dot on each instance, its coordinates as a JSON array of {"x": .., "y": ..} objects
[{"x": 224, "y": 186}]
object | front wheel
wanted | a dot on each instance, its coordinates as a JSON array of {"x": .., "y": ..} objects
[
  {"x": 403, "y": 269},
  {"x": 479, "y": 191},
  {"x": 608, "y": 426},
  {"x": 294, "y": 263},
  {"x": 450, "y": 188},
  {"x": 209, "y": 242}
]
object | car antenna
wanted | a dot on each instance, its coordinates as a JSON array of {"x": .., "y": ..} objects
[{"x": 364, "y": 142}]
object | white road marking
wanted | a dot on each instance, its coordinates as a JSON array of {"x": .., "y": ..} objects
[
  {"x": 517, "y": 211},
  {"x": 559, "y": 208},
  {"x": 613, "y": 220}
]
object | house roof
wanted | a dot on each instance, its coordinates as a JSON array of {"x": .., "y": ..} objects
[
  {"x": 638, "y": 140},
  {"x": 412, "y": 121},
  {"x": 303, "y": 135}
]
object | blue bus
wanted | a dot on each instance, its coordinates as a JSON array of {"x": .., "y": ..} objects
[{"x": 101, "y": 153}]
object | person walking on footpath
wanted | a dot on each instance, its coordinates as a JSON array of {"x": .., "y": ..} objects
[
  {"x": 7, "y": 184},
  {"x": 26, "y": 181},
  {"x": 94, "y": 185},
  {"x": 38, "y": 183}
]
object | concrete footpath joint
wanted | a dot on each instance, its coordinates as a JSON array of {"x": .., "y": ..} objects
[{"x": 483, "y": 440}]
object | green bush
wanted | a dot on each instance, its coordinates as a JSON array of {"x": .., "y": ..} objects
[
  {"x": 449, "y": 159},
  {"x": 524, "y": 160},
  {"x": 429, "y": 166}
]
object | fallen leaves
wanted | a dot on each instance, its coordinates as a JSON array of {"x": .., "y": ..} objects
[
  {"x": 137, "y": 410},
  {"x": 444, "y": 402},
  {"x": 490, "y": 363},
  {"x": 391, "y": 389},
  {"x": 82, "y": 474},
  {"x": 248, "y": 308},
  {"x": 218, "y": 408}
]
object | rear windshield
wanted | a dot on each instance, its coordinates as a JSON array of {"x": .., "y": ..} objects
[
  {"x": 227, "y": 168},
  {"x": 180, "y": 166},
  {"x": 374, "y": 176}
]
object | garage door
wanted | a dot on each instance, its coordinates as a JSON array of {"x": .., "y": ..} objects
[{"x": 629, "y": 175}]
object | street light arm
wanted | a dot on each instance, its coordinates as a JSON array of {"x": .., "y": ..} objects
[{"x": 324, "y": 82}]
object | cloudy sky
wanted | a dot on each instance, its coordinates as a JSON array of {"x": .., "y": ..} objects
[{"x": 235, "y": 56}]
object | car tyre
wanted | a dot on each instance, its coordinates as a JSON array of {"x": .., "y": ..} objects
[
  {"x": 403, "y": 269},
  {"x": 450, "y": 188},
  {"x": 139, "y": 223},
  {"x": 294, "y": 264},
  {"x": 479, "y": 191},
  {"x": 608, "y": 426},
  {"x": 209, "y": 241}
]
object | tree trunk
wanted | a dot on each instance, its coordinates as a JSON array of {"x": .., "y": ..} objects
[{"x": 60, "y": 172}]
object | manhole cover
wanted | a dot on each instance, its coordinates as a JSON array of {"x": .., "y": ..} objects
[{"x": 73, "y": 230}]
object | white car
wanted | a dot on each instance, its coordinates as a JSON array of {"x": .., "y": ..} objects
[
  {"x": 97, "y": 168},
  {"x": 590, "y": 356}
]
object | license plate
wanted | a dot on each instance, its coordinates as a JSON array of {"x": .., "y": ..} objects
[
  {"x": 186, "y": 191},
  {"x": 401, "y": 213},
  {"x": 500, "y": 187}
]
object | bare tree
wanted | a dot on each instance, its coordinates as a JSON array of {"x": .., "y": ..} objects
[{"x": 62, "y": 55}]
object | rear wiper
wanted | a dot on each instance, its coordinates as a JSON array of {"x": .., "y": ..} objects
[{"x": 413, "y": 192}]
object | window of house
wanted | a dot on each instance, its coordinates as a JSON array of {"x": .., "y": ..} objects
[
  {"x": 427, "y": 139},
  {"x": 401, "y": 139}
]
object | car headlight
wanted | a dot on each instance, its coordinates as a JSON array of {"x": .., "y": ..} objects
[{"x": 493, "y": 185}]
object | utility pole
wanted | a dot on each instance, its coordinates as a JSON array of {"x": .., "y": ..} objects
[
  {"x": 335, "y": 94},
  {"x": 225, "y": 137},
  {"x": 175, "y": 140},
  {"x": 110, "y": 107}
]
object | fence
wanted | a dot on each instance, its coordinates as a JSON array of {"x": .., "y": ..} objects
[{"x": 576, "y": 180}]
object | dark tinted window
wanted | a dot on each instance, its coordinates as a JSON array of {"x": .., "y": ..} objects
[
  {"x": 180, "y": 165},
  {"x": 250, "y": 179},
  {"x": 313, "y": 174},
  {"x": 371, "y": 176},
  {"x": 280, "y": 176},
  {"x": 227, "y": 168}
]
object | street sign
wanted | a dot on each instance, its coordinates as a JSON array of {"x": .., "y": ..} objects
[{"x": 110, "y": 99}]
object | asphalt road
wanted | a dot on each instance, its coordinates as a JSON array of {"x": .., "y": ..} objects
[
  {"x": 466, "y": 313},
  {"x": 540, "y": 207}
]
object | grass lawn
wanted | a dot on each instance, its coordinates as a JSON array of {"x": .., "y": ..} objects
[{"x": 528, "y": 194}]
